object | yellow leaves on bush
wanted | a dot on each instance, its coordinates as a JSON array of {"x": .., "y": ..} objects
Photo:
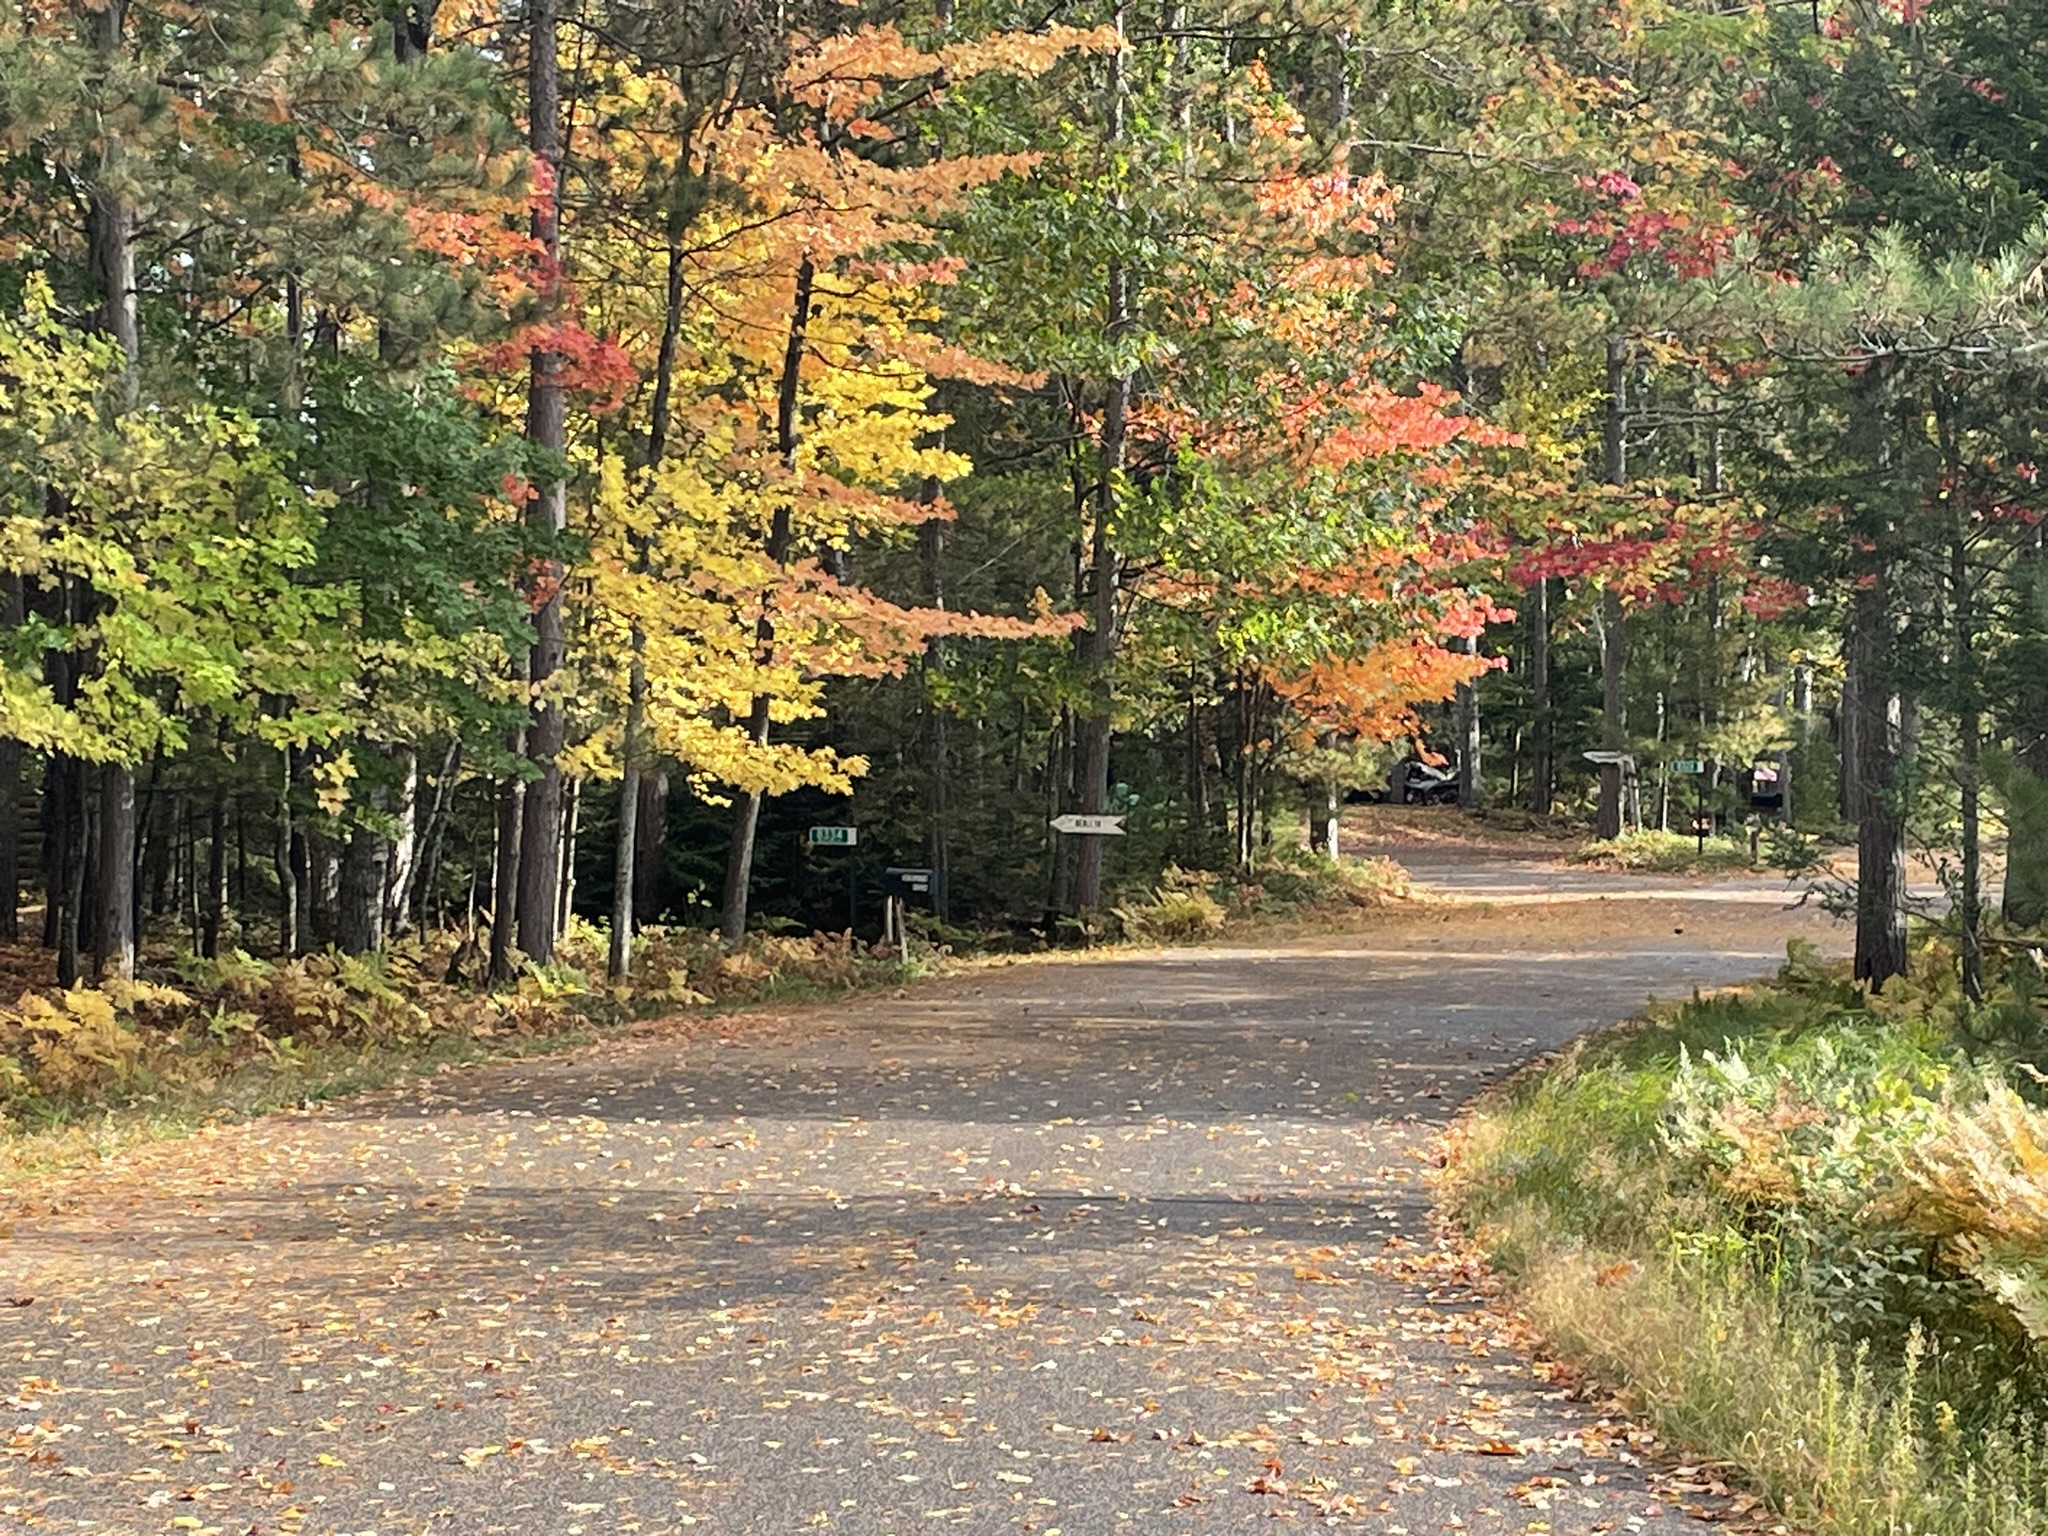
[
  {"x": 1758, "y": 1170},
  {"x": 1978, "y": 1186},
  {"x": 74, "y": 1040},
  {"x": 823, "y": 960},
  {"x": 84, "y": 1039},
  {"x": 92, "y": 1045},
  {"x": 323, "y": 998}
]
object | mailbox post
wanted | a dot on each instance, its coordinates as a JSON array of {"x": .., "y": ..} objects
[
  {"x": 898, "y": 886},
  {"x": 841, "y": 837},
  {"x": 1697, "y": 769}
]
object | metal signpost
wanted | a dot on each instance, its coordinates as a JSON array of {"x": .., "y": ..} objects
[
  {"x": 841, "y": 837},
  {"x": 1623, "y": 766}
]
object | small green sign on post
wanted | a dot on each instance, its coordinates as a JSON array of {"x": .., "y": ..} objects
[
  {"x": 1689, "y": 765},
  {"x": 842, "y": 837}
]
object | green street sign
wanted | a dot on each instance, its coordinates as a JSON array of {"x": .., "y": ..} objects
[
  {"x": 1689, "y": 765},
  {"x": 834, "y": 837}
]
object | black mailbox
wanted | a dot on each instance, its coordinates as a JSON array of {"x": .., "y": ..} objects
[
  {"x": 907, "y": 882},
  {"x": 1767, "y": 787}
]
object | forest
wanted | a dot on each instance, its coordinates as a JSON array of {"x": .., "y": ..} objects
[{"x": 488, "y": 468}]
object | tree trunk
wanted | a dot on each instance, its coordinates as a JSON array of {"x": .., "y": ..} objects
[
  {"x": 418, "y": 895},
  {"x": 359, "y": 918},
  {"x": 110, "y": 244},
  {"x": 155, "y": 845},
  {"x": 402, "y": 862},
  {"x": 13, "y": 614},
  {"x": 1471, "y": 788},
  {"x": 323, "y": 889},
  {"x": 538, "y": 873},
  {"x": 572, "y": 826},
  {"x": 629, "y": 875},
  {"x": 1848, "y": 713},
  {"x": 739, "y": 859},
  {"x": 10, "y": 840},
  {"x": 619, "y": 955},
  {"x": 1340, "y": 79},
  {"x": 739, "y": 855},
  {"x": 1884, "y": 719},
  {"x": 114, "y": 931},
  {"x": 191, "y": 904},
  {"x": 653, "y": 834},
  {"x": 1094, "y": 728},
  {"x": 290, "y": 929},
  {"x": 304, "y": 889},
  {"x": 213, "y": 909},
  {"x": 412, "y": 30},
  {"x": 1613, "y": 617},
  {"x": 931, "y": 549},
  {"x": 1245, "y": 778},
  {"x": 505, "y": 877},
  {"x": 1613, "y": 711},
  {"x": 1969, "y": 775},
  {"x": 2023, "y": 779},
  {"x": 1969, "y": 709},
  {"x": 1880, "y": 813},
  {"x": 83, "y": 851},
  {"x": 1062, "y": 855},
  {"x": 1542, "y": 772},
  {"x": 1197, "y": 776}
]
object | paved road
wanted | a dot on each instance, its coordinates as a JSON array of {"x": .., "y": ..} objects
[
  {"x": 1504, "y": 878},
  {"x": 1133, "y": 1245},
  {"x": 1501, "y": 879}
]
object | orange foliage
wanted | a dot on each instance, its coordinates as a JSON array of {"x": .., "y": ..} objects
[{"x": 1375, "y": 696}]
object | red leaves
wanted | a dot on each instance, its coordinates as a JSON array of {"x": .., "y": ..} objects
[
  {"x": 1773, "y": 597},
  {"x": 542, "y": 584},
  {"x": 594, "y": 367}
]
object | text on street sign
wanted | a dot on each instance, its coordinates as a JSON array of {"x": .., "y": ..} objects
[{"x": 1089, "y": 826}]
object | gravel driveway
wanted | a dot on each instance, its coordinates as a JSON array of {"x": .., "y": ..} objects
[{"x": 1137, "y": 1244}]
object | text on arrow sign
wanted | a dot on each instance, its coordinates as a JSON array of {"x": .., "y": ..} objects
[{"x": 1089, "y": 826}]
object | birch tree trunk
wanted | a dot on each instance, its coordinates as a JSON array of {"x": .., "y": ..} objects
[{"x": 1613, "y": 617}]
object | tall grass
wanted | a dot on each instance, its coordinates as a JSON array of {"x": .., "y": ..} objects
[{"x": 1907, "y": 1407}]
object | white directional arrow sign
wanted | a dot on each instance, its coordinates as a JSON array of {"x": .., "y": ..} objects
[{"x": 1089, "y": 826}]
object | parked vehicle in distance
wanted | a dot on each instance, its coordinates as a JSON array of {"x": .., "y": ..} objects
[{"x": 1413, "y": 782}]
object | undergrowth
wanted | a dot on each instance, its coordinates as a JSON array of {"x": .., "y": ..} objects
[
  {"x": 1189, "y": 905},
  {"x": 1807, "y": 1229},
  {"x": 1651, "y": 851},
  {"x": 193, "y": 1040}
]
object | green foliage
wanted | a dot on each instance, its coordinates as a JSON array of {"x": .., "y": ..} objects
[
  {"x": 2026, "y": 811},
  {"x": 189, "y": 534}
]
